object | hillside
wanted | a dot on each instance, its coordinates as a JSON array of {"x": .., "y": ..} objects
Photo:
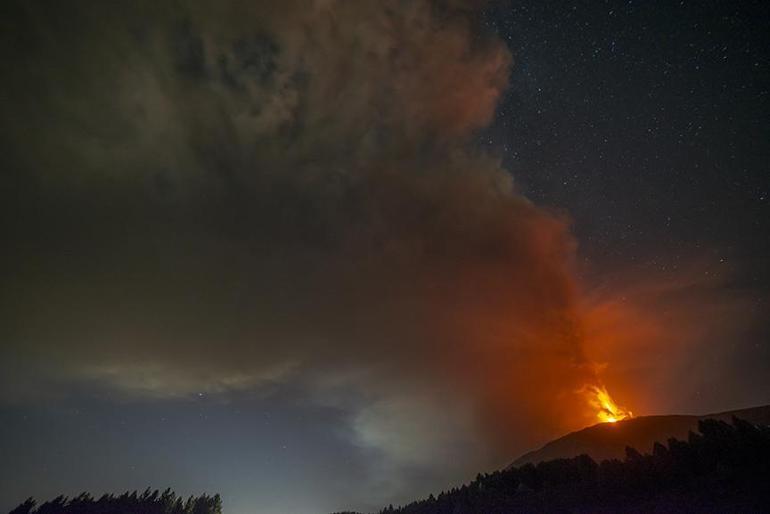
[
  {"x": 609, "y": 440},
  {"x": 725, "y": 468}
]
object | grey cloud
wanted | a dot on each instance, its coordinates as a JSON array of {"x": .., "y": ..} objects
[{"x": 218, "y": 196}]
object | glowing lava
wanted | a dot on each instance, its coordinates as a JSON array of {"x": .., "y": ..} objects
[{"x": 607, "y": 411}]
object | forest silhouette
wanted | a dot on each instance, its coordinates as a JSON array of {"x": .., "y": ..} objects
[
  {"x": 149, "y": 502},
  {"x": 725, "y": 468}
]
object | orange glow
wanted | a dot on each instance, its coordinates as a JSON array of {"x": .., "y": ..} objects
[{"x": 607, "y": 411}]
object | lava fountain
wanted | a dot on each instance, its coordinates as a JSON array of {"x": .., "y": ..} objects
[{"x": 607, "y": 411}]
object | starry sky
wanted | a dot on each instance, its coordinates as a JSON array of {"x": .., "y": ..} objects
[{"x": 331, "y": 255}]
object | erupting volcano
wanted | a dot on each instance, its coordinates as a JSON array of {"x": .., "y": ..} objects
[{"x": 607, "y": 411}]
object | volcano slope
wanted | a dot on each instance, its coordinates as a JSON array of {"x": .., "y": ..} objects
[
  {"x": 721, "y": 467},
  {"x": 609, "y": 440}
]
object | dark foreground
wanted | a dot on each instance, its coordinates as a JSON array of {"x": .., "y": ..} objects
[{"x": 723, "y": 469}]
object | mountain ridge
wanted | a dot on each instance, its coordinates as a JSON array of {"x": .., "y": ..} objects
[{"x": 609, "y": 440}]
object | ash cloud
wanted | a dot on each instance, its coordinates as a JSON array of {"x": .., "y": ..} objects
[
  {"x": 234, "y": 196},
  {"x": 227, "y": 197}
]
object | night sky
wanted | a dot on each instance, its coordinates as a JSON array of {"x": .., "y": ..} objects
[{"x": 325, "y": 255}]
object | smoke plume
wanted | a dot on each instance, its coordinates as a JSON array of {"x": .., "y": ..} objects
[{"x": 234, "y": 195}]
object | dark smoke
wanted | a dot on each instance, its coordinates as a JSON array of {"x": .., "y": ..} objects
[{"x": 231, "y": 195}]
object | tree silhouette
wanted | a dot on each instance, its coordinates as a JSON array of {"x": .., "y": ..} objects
[
  {"x": 723, "y": 468},
  {"x": 149, "y": 502}
]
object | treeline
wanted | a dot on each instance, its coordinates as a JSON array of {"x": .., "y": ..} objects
[
  {"x": 149, "y": 502},
  {"x": 724, "y": 468}
]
